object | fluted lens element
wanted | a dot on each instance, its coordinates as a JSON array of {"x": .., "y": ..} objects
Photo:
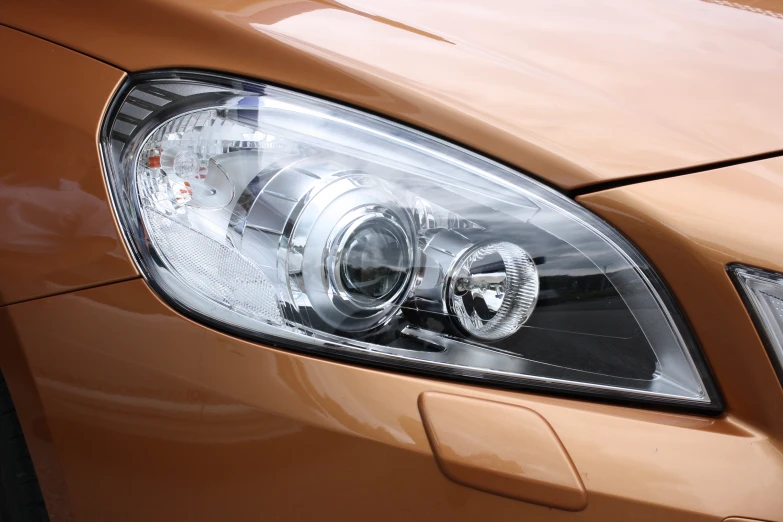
[{"x": 494, "y": 290}]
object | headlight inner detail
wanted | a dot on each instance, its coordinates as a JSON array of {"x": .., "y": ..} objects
[{"x": 292, "y": 220}]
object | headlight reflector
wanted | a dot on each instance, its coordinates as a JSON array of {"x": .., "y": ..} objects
[{"x": 296, "y": 221}]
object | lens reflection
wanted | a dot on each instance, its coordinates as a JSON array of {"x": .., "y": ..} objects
[{"x": 374, "y": 262}]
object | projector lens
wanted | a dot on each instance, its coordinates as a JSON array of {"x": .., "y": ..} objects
[{"x": 374, "y": 262}]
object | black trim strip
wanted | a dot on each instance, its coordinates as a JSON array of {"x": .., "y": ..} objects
[
  {"x": 138, "y": 102},
  {"x": 128, "y": 119},
  {"x": 160, "y": 93}
]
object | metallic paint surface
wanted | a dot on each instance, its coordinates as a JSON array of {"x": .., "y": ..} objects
[
  {"x": 573, "y": 92},
  {"x": 691, "y": 227},
  {"x": 34, "y": 422},
  {"x": 57, "y": 232},
  {"x": 471, "y": 442},
  {"x": 133, "y": 412},
  {"x": 157, "y": 418}
]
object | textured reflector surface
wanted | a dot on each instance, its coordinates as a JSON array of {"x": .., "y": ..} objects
[{"x": 215, "y": 270}]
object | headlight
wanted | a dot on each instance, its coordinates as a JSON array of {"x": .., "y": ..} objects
[
  {"x": 312, "y": 226},
  {"x": 762, "y": 292}
]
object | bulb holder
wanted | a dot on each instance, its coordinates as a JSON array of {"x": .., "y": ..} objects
[{"x": 485, "y": 290}]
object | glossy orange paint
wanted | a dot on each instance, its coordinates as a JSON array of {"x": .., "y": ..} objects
[
  {"x": 133, "y": 412},
  {"x": 573, "y": 92},
  {"x": 471, "y": 442},
  {"x": 57, "y": 233},
  {"x": 691, "y": 227},
  {"x": 157, "y": 418}
]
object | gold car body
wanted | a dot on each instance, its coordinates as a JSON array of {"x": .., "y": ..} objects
[{"x": 663, "y": 118}]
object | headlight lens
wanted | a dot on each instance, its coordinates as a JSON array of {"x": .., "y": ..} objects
[
  {"x": 762, "y": 292},
  {"x": 310, "y": 225}
]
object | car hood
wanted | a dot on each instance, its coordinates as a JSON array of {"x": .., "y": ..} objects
[{"x": 574, "y": 92}]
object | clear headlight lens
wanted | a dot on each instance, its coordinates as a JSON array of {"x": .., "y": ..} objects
[
  {"x": 300, "y": 222},
  {"x": 762, "y": 292}
]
